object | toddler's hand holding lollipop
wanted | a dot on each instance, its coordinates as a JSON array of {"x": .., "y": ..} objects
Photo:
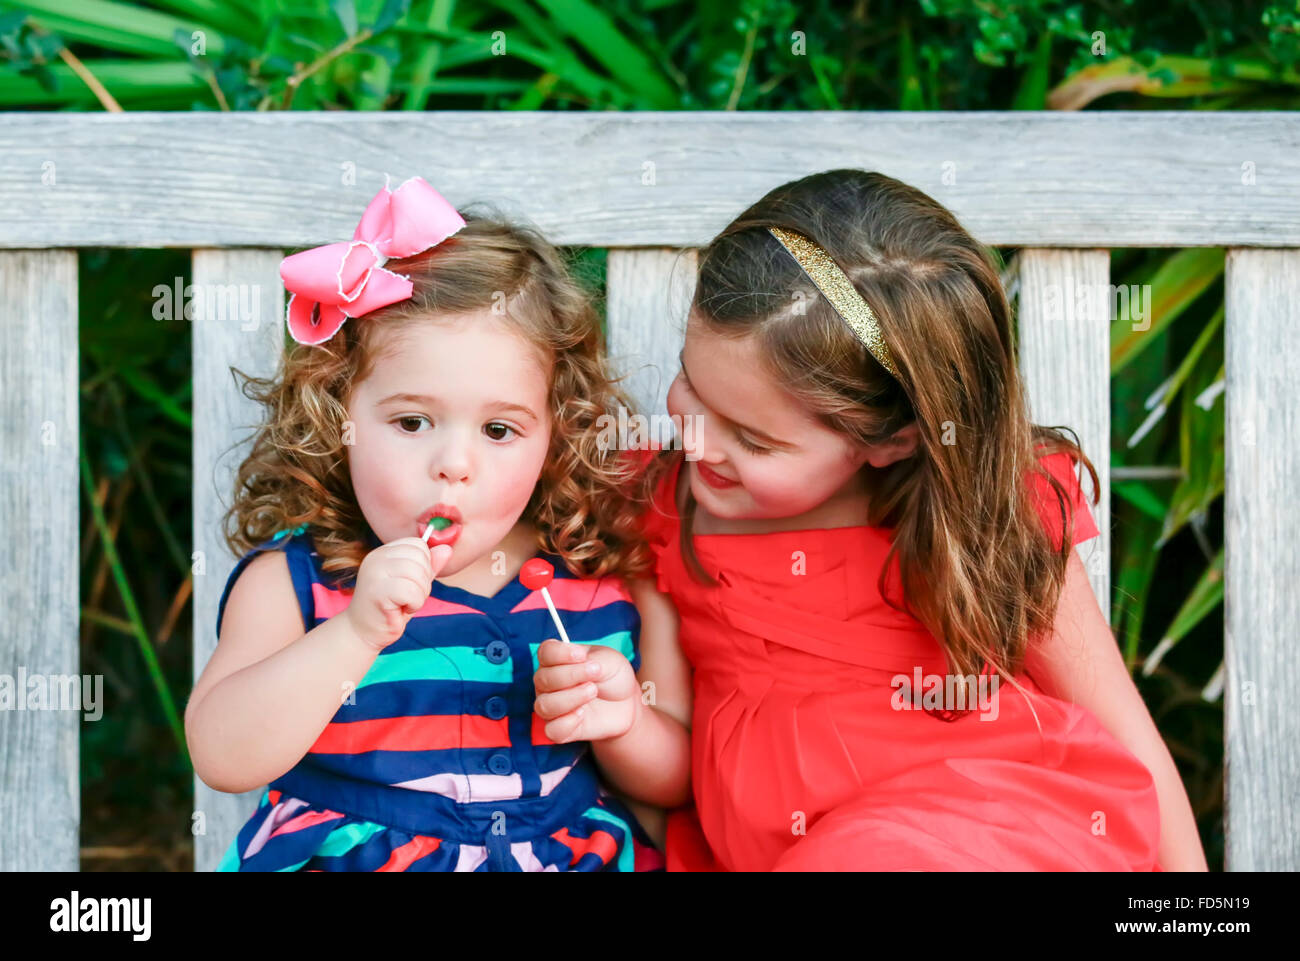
[
  {"x": 393, "y": 583},
  {"x": 585, "y": 692}
]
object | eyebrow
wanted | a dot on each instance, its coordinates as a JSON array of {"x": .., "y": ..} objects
[
  {"x": 735, "y": 423},
  {"x": 426, "y": 399}
]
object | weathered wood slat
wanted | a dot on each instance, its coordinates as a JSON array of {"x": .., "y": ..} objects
[
  {"x": 1046, "y": 179},
  {"x": 1262, "y": 560},
  {"x": 1064, "y": 316},
  {"x": 40, "y": 788},
  {"x": 249, "y": 336},
  {"x": 648, "y": 295}
]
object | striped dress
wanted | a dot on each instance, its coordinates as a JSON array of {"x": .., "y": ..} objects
[{"x": 436, "y": 761}]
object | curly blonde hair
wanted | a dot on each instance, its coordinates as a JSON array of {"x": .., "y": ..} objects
[{"x": 296, "y": 473}]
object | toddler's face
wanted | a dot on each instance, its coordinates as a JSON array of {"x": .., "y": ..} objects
[
  {"x": 756, "y": 452},
  {"x": 453, "y": 413}
]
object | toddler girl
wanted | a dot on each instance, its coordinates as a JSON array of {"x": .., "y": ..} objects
[{"x": 380, "y": 683}]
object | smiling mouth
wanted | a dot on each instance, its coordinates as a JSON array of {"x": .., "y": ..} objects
[{"x": 712, "y": 478}]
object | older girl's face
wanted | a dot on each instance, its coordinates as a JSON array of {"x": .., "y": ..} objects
[
  {"x": 752, "y": 449},
  {"x": 455, "y": 412}
]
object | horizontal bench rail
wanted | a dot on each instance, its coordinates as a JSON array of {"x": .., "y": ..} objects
[{"x": 645, "y": 179}]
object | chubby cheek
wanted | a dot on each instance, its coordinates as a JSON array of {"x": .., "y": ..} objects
[
  {"x": 385, "y": 496},
  {"x": 507, "y": 480}
]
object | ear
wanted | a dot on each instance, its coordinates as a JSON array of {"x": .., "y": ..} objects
[{"x": 901, "y": 445}]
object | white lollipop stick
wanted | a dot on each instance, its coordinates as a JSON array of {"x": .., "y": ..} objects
[{"x": 555, "y": 615}]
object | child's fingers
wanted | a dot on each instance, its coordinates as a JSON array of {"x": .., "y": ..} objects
[
  {"x": 556, "y": 703},
  {"x": 439, "y": 556},
  {"x": 564, "y": 675},
  {"x": 566, "y": 727},
  {"x": 408, "y": 569},
  {"x": 407, "y": 591},
  {"x": 392, "y": 618},
  {"x": 557, "y": 652},
  {"x": 408, "y": 549}
]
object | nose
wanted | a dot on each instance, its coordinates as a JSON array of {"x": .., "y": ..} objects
[
  {"x": 694, "y": 434},
  {"x": 691, "y": 435},
  {"x": 451, "y": 460}
]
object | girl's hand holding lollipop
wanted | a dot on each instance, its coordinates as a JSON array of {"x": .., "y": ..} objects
[
  {"x": 393, "y": 583},
  {"x": 585, "y": 692}
]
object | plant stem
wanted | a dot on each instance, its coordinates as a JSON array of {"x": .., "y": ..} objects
[
  {"x": 133, "y": 613},
  {"x": 292, "y": 84},
  {"x": 745, "y": 58},
  {"x": 89, "y": 79}
]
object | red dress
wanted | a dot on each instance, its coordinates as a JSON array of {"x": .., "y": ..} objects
[{"x": 801, "y": 761}]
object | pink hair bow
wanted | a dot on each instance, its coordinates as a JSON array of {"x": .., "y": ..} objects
[{"x": 348, "y": 279}]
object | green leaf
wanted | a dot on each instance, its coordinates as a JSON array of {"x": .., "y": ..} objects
[
  {"x": 387, "y": 54},
  {"x": 555, "y": 59},
  {"x": 1164, "y": 395},
  {"x": 1204, "y": 598},
  {"x": 224, "y": 15},
  {"x": 429, "y": 60},
  {"x": 474, "y": 85},
  {"x": 45, "y": 77},
  {"x": 307, "y": 42},
  {"x": 119, "y": 26},
  {"x": 129, "y": 81},
  {"x": 1134, "y": 573},
  {"x": 393, "y": 11},
  {"x": 1142, "y": 497},
  {"x": 593, "y": 30},
  {"x": 346, "y": 11},
  {"x": 1151, "y": 75},
  {"x": 13, "y": 20},
  {"x": 1201, "y": 448},
  {"x": 1183, "y": 277},
  {"x": 1032, "y": 94},
  {"x": 143, "y": 385},
  {"x": 912, "y": 97}
]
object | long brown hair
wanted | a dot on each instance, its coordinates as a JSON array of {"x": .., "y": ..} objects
[
  {"x": 977, "y": 568},
  {"x": 297, "y": 473}
]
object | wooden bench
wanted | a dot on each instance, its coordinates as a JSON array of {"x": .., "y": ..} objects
[{"x": 242, "y": 189}]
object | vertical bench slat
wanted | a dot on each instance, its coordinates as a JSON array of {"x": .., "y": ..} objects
[
  {"x": 40, "y": 789},
  {"x": 647, "y": 297},
  {"x": 1262, "y": 559},
  {"x": 222, "y": 417},
  {"x": 1064, "y": 317}
]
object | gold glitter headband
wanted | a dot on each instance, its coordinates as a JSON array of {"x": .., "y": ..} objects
[{"x": 836, "y": 287}]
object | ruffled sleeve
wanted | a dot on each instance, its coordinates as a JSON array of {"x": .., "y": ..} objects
[{"x": 1063, "y": 467}]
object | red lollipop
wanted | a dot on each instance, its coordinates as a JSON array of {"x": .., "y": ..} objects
[{"x": 535, "y": 575}]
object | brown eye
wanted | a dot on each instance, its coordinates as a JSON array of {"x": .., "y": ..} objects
[
  {"x": 402, "y": 421},
  {"x": 500, "y": 426}
]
